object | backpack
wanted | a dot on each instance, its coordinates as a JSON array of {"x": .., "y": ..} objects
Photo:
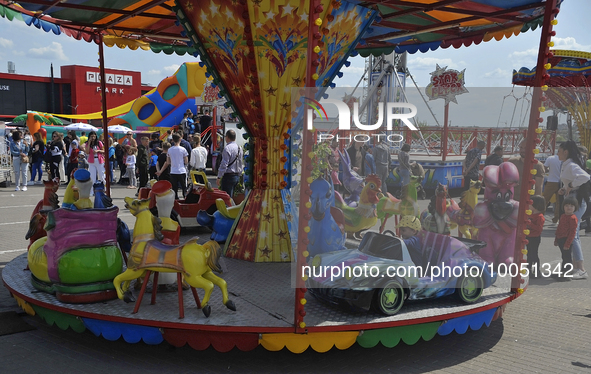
[
  {"x": 47, "y": 155},
  {"x": 381, "y": 155}
]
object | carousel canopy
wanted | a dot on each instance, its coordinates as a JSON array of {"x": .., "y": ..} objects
[
  {"x": 569, "y": 69},
  {"x": 411, "y": 26}
]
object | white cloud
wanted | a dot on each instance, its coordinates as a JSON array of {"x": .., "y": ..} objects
[
  {"x": 18, "y": 53},
  {"x": 154, "y": 72},
  {"x": 498, "y": 73},
  {"x": 52, "y": 51},
  {"x": 6, "y": 43},
  {"x": 171, "y": 68},
  {"x": 569, "y": 43},
  {"x": 352, "y": 70},
  {"x": 524, "y": 55},
  {"x": 426, "y": 63}
]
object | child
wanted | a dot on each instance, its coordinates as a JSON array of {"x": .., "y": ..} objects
[
  {"x": 409, "y": 227},
  {"x": 72, "y": 158},
  {"x": 82, "y": 162},
  {"x": 153, "y": 162},
  {"x": 565, "y": 234},
  {"x": 130, "y": 164},
  {"x": 535, "y": 228}
]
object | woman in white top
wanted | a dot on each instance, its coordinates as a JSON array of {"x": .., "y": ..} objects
[
  {"x": 573, "y": 176},
  {"x": 96, "y": 157},
  {"x": 198, "y": 155}
]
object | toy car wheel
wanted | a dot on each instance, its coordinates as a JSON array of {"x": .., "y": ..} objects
[
  {"x": 389, "y": 300},
  {"x": 469, "y": 289}
]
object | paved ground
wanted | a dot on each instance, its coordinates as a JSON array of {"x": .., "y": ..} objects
[{"x": 546, "y": 330}]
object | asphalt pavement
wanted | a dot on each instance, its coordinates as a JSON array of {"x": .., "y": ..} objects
[{"x": 546, "y": 330}]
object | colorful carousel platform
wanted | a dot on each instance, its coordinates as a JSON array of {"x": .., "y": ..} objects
[{"x": 263, "y": 295}]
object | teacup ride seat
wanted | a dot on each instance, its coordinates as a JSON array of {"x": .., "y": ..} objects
[{"x": 79, "y": 258}]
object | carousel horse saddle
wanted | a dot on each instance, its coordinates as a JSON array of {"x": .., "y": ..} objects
[{"x": 160, "y": 255}]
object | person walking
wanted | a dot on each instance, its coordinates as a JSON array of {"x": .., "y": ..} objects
[
  {"x": 95, "y": 151},
  {"x": 56, "y": 149},
  {"x": 231, "y": 166},
  {"x": 495, "y": 158},
  {"x": 198, "y": 156},
  {"x": 112, "y": 159},
  {"x": 552, "y": 167},
  {"x": 129, "y": 141},
  {"x": 130, "y": 162},
  {"x": 72, "y": 159},
  {"x": 204, "y": 121},
  {"x": 184, "y": 143},
  {"x": 120, "y": 156},
  {"x": 83, "y": 138},
  {"x": 64, "y": 158},
  {"x": 162, "y": 173},
  {"x": 381, "y": 155},
  {"x": 370, "y": 162},
  {"x": 184, "y": 122},
  {"x": 471, "y": 164},
  {"x": 38, "y": 148},
  {"x": 19, "y": 149},
  {"x": 177, "y": 158},
  {"x": 567, "y": 229},
  {"x": 575, "y": 184},
  {"x": 156, "y": 143},
  {"x": 143, "y": 162},
  {"x": 404, "y": 168}
]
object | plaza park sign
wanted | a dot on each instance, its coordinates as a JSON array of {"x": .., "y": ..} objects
[
  {"x": 111, "y": 79},
  {"x": 446, "y": 84}
]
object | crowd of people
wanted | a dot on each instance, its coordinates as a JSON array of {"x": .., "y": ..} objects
[{"x": 171, "y": 158}]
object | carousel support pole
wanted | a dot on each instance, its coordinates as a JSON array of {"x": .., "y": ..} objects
[
  {"x": 305, "y": 192},
  {"x": 445, "y": 133},
  {"x": 104, "y": 109},
  {"x": 532, "y": 140},
  {"x": 214, "y": 132}
]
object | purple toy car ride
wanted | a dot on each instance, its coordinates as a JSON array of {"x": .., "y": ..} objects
[{"x": 382, "y": 273}]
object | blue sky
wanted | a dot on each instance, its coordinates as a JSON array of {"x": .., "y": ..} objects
[{"x": 487, "y": 65}]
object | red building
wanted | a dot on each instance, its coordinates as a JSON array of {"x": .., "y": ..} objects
[{"x": 77, "y": 91}]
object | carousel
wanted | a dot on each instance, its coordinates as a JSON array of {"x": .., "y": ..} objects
[{"x": 267, "y": 275}]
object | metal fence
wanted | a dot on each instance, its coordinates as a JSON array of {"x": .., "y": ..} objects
[{"x": 460, "y": 140}]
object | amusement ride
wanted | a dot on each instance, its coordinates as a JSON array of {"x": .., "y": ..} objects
[{"x": 265, "y": 58}]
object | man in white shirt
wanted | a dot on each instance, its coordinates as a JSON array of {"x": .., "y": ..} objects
[
  {"x": 198, "y": 156},
  {"x": 552, "y": 166},
  {"x": 177, "y": 158}
]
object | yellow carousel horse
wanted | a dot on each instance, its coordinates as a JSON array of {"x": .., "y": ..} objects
[{"x": 194, "y": 261}]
